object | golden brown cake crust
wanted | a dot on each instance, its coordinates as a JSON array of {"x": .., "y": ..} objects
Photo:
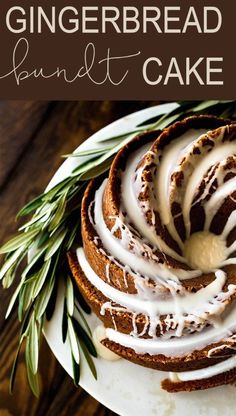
[
  {"x": 100, "y": 260},
  {"x": 228, "y": 377},
  {"x": 111, "y": 204},
  {"x": 95, "y": 299}
]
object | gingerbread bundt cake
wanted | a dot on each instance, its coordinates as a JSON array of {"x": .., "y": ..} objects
[{"x": 158, "y": 263}]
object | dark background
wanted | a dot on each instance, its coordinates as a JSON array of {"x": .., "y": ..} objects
[
  {"x": 33, "y": 136},
  {"x": 63, "y": 50}
]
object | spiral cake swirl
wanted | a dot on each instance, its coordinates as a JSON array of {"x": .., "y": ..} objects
[{"x": 158, "y": 264}]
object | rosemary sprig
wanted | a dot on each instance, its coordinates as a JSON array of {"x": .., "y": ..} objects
[{"x": 53, "y": 230}]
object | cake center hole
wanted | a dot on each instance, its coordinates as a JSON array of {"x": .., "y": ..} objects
[{"x": 205, "y": 251}]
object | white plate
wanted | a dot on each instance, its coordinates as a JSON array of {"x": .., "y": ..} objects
[{"x": 127, "y": 388}]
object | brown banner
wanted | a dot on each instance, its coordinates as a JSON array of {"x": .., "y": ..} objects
[{"x": 117, "y": 50}]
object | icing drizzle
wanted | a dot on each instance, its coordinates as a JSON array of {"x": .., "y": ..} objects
[{"x": 191, "y": 177}]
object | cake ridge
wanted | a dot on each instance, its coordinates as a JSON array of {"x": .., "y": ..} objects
[{"x": 163, "y": 188}]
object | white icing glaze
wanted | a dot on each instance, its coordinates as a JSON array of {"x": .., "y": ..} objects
[
  {"x": 171, "y": 157},
  {"x": 222, "y": 347},
  {"x": 119, "y": 248},
  {"x": 205, "y": 251},
  {"x": 130, "y": 190},
  {"x": 207, "y": 372},
  {"x": 185, "y": 304},
  {"x": 210, "y": 159},
  {"x": 196, "y": 304},
  {"x": 134, "y": 252},
  {"x": 98, "y": 335},
  {"x": 212, "y": 206},
  {"x": 176, "y": 347}
]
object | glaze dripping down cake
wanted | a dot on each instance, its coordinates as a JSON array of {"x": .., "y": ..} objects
[{"x": 158, "y": 263}]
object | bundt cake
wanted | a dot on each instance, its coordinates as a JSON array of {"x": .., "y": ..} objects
[{"x": 158, "y": 263}]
